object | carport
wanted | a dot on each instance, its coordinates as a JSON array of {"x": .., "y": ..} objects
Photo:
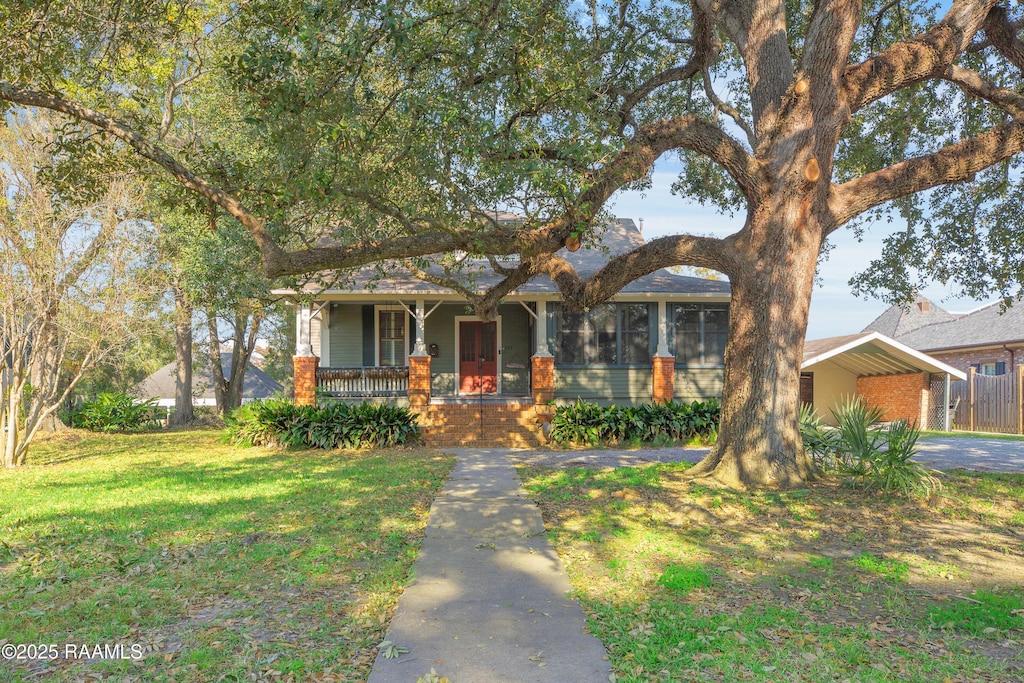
[{"x": 903, "y": 382}]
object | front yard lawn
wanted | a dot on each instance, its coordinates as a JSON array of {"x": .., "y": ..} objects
[
  {"x": 216, "y": 563},
  {"x": 685, "y": 582}
]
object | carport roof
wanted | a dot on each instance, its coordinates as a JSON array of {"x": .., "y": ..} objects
[{"x": 872, "y": 354}]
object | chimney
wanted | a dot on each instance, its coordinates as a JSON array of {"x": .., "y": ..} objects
[{"x": 641, "y": 220}]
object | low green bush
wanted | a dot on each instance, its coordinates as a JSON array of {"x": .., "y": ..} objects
[
  {"x": 587, "y": 423},
  {"x": 115, "y": 412},
  {"x": 279, "y": 422}
]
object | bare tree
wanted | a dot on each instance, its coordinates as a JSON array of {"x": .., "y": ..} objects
[{"x": 71, "y": 290}]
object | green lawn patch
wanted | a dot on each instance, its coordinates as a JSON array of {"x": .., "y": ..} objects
[
  {"x": 219, "y": 563},
  {"x": 685, "y": 581}
]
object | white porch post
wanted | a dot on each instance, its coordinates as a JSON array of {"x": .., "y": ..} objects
[
  {"x": 662, "y": 330},
  {"x": 303, "y": 318},
  {"x": 420, "y": 348},
  {"x": 325, "y": 333},
  {"x": 542, "y": 329}
]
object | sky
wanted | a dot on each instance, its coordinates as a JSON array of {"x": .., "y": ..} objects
[{"x": 835, "y": 310}]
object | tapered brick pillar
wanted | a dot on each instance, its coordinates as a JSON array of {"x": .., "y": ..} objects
[
  {"x": 305, "y": 379},
  {"x": 419, "y": 380},
  {"x": 663, "y": 382}
]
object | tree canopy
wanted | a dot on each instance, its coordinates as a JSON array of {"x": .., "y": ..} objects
[{"x": 388, "y": 130}]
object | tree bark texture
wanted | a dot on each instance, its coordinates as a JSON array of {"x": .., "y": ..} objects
[
  {"x": 759, "y": 441},
  {"x": 183, "y": 408}
]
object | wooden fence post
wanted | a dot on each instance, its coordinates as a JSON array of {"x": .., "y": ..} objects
[
  {"x": 1019, "y": 370},
  {"x": 970, "y": 399}
]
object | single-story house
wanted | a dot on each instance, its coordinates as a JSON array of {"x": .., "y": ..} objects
[
  {"x": 474, "y": 381},
  {"x": 988, "y": 339},
  {"x": 904, "y": 382},
  {"x": 161, "y": 384}
]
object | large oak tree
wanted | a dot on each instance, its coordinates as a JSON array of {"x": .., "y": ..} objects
[{"x": 386, "y": 130}]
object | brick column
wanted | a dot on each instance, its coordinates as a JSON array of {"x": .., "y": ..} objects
[
  {"x": 305, "y": 379},
  {"x": 542, "y": 386},
  {"x": 419, "y": 380},
  {"x": 542, "y": 379},
  {"x": 663, "y": 380}
]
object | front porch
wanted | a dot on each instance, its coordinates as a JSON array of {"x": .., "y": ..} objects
[{"x": 476, "y": 382}]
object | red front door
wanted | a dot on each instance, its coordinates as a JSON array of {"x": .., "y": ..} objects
[{"x": 478, "y": 357}]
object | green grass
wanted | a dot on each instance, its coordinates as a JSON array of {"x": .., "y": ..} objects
[
  {"x": 974, "y": 435},
  {"x": 692, "y": 582},
  {"x": 222, "y": 563},
  {"x": 894, "y": 570},
  {"x": 984, "y": 614}
]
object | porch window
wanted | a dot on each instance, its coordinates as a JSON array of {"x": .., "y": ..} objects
[
  {"x": 391, "y": 335},
  {"x": 607, "y": 334},
  {"x": 698, "y": 333}
]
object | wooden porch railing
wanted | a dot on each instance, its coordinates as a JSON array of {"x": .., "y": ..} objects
[{"x": 363, "y": 382}]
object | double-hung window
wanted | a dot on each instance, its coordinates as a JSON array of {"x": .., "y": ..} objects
[
  {"x": 697, "y": 333},
  {"x": 392, "y": 337},
  {"x": 606, "y": 334}
]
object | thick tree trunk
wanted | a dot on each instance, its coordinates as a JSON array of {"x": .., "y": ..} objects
[
  {"x": 183, "y": 409},
  {"x": 759, "y": 440}
]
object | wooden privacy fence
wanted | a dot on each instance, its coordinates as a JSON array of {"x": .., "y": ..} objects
[{"x": 989, "y": 403}]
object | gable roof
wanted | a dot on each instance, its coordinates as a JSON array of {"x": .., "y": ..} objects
[
  {"x": 985, "y": 326},
  {"x": 897, "y": 321},
  {"x": 617, "y": 237},
  {"x": 871, "y": 354},
  {"x": 256, "y": 384}
]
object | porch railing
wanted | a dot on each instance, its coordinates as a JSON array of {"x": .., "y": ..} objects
[{"x": 363, "y": 382}]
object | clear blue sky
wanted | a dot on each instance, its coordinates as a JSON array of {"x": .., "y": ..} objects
[{"x": 834, "y": 308}]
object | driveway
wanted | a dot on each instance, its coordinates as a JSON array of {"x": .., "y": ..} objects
[
  {"x": 971, "y": 453},
  {"x": 976, "y": 453}
]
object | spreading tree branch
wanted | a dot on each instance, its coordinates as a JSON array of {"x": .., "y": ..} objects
[
  {"x": 953, "y": 163},
  {"x": 923, "y": 57}
]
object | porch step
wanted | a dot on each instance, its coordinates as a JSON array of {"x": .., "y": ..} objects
[{"x": 464, "y": 424}]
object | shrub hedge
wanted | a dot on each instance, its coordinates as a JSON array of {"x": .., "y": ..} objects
[
  {"x": 279, "y": 422},
  {"x": 115, "y": 412},
  {"x": 587, "y": 423}
]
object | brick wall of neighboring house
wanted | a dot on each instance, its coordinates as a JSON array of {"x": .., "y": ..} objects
[
  {"x": 900, "y": 396},
  {"x": 515, "y": 425},
  {"x": 962, "y": 359}
]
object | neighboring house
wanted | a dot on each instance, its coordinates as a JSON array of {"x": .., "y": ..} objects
[
  {"x": 987, "y": 339},
  {"x": 904, "y": 383},
  {"x": 405, "y": 339},
  {"x": 160, "y": 385}
]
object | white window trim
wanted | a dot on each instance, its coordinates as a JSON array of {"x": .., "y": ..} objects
[
  {"x": 458, "y": 361},
  {"x": 376, "y": 332}
]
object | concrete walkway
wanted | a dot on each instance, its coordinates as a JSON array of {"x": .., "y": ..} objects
[{"x": 489, "y": 598}]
